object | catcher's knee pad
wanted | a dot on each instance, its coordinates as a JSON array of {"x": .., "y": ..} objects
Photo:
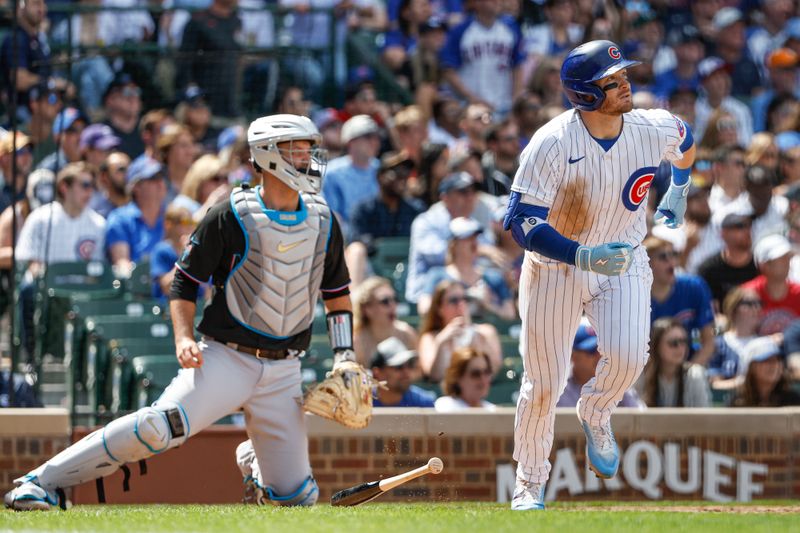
[
  {"x": 306, "y": 495},
  {"x": 154, "y": 430}
]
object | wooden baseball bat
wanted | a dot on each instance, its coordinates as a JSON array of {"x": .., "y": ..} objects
[{"x": 369, "y": 491}]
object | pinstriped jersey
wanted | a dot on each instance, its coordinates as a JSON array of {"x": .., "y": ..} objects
[{"x": 596, "y": 196}]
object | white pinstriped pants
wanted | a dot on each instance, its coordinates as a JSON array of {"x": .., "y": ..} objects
[{"x": 553, "y": 297}]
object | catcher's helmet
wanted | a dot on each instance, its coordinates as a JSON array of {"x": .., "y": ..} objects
[
  {"x": 264, "y": 135},
  {"x": 585, "y": 65}
]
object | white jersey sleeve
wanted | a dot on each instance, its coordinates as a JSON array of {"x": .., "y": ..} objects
[
  {"x": 672, "y": 130},
  {"x": 30, "y": 245},
  {"x": 541, "y": 169}
]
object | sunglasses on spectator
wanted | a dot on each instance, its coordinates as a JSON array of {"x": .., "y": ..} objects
[
  {"x": 53, "y": 98},
  {"x": 119, "y": 169},
  {"x": 723, "y": 125},
  {"x": 219, "y": 178},
  {"x": 751, "y": 303},
  {"x": 737, "y": 162},
  {"x": 387, "y": 301},
  {"x": 477, "y": 373},
  {"x": 129, "y": 92},
  {"x": 408, "y": 365},
  {"x": 739, "y": 225},
  {"x": 677, "y": 343},
  {"x": 665, "y": 256},
  {"x": 85, "y": 185},
  {"x": 486, "y": 118},
  {"x": 455, "y": 300},
  {"x": 23, "y": 150}
]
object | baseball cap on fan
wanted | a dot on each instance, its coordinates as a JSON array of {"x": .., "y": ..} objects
[
  {"x": 392, "y": 353},
  {"x": 585, "y": 339},
  {"x": 99, "y": 137},
  {"x": 457, "y": 181},
  {"x": 711, "y": 65},
  {"x": 464, "y": 228},
  {"x": 144, "y": 168},
  {"x": 726, "y": 17},
  {"x": 358, "y": 126},
  {"x": 770, "y": 248}
]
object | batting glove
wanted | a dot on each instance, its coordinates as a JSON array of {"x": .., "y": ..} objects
[
  {"x": 673, "y": 206},
  {"x": 609, "y": 259}
]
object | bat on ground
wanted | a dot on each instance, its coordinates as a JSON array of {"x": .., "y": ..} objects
[{"x": 369, "y": 491}]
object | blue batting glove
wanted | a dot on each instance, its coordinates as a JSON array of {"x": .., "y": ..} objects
[
  {"x": 609, "y": 259},
  {"x": 672, "y": 207}
]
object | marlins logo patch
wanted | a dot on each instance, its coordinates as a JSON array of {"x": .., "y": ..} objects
[
  {"x": 635, "y": 190},
  {"x": 613, "y": 51}
]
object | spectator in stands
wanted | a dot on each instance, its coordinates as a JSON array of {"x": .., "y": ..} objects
[
  {"x": 767, "y": 210},
  {"x": 766, "y": 383},
  {"x": 395, "y": 364},
  {"x": 401, "y": 40},
  {"x": 430, "y": 233},
  {"x": 486, "y": 289},
  {"x": 293, "y": 101},
  {"x": 545, "y": 82},
  {"x": 557, "y": 34},
  {"x": 779, "y": 296},
  {"x": 688, "y": 48},
  {"x": 501, "y": 159},
  {"x": 423, "y": 70},
  {"x": 727, "y": 170},
  {"x": 782, "y": 115},
  {"x": 67, "y": 230},
  {"x": 234, "y": 154},
  {"x": 475, "y": 122},
  {"x": 45, "y": 102},
  {"x": 375, "y": 318},
  {"x": 466, "y": 382},
  {"x": 214, "y": 32},
  {"x": 135, "y": 228},
  {"x": 432, "y": 170},
  {"x": 733, "y": 265},
  {"x": 715, "y": 80},
  {"x": 111, "y": 192},
  {"x": 782, "y": 67},
  {"x": 791, "y": 347},
  {"x": 176, "y": 151},
  {"x": 32, "y": 63},
  {"x": 39, "y": 191},
  {"x": 731, "y": 47},
  {"x": 24, "y": 392},
  {"x": 482, "y": 57},
  {"x": 352, "y": 178},
  {"x": 193, "y": 113},
  {"x": 443, "y": 128},
  {"x": 67, "y": 129},
  {"x": 682, "y": 103},
  {"x": 410, "y": 132},
  {"x": 178, "y": 227},
  {"x": 122, "y": 102},
  {"x": 743, "y": 314},
  {"x": 585, "y": 357},
  {"x": 767, "y": 35},
  {"x": 96, "y": 143},
  {"x": 152, "y": 124},
  {"x": 205, "y": 185},
  {"x": 525, "y": 113},
  {"x": 360, "y": 99},
  {"x": 448, "y": 326},
  {"x": 669, "y": 380},
  {"x": 388, "y": 214},
  {"x": 789, "y": 158},
  {"x": 685, "y": 297},
  {"x": 762, "y": 151},
  {"x": 13, "y": 186},
  {"x": 722, "y": 130},
  {"x": 330, "y": 127}
]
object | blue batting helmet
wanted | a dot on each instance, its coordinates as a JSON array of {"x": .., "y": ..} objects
[{"x": 585, "y": 65}]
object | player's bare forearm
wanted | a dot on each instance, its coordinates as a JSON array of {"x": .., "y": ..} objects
[
  {"x": 340, "y": 303},
  {"x": 688, "y": 158},
  {"x": 182, "y": 312}
]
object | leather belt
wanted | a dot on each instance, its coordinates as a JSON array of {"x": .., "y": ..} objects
[{"x": 260, "y": 353}]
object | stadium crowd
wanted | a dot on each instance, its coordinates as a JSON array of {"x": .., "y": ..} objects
[{"x": 106, "y": 170}]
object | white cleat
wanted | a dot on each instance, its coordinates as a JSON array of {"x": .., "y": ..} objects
[
  {"x": 528, "y": 496},
  {"x": 30, "y": 497}
]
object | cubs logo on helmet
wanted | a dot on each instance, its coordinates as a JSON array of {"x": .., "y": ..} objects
[
  {"x": 614, "y": 52},
  {"x": 636, "y": 188}
]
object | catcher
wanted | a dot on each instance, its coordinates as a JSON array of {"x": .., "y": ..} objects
[{"x": 269, "y": 252}]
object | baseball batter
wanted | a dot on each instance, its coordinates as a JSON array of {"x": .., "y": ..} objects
[
  {"x": 269, "y": 252},
  {"x": 578, "y": 208}
]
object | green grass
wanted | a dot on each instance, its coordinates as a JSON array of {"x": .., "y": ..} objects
[{"x": 416, "y": 518}]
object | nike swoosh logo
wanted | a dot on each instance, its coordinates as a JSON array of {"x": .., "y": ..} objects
[
  {"x": 571, "y": 161},
  {"x": 286, "y": 247}
]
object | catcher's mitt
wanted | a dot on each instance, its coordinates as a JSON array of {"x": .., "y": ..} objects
[{"x": 345, "y": 396}]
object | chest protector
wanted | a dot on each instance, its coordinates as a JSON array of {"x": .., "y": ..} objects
[{"x": 273, "y": 289}]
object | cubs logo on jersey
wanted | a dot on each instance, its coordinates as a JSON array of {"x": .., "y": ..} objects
[
  {"x": 614, "y": 52},
  {"x": 636, "y": 188}
]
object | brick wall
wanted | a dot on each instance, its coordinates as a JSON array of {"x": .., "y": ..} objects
[{"x": 476, "y": 450}]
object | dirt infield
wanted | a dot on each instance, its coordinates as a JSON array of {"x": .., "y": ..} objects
[{"x": 732, "y": 509}]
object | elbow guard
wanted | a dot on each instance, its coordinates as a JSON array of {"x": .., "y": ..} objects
[{"x": 523, "y": 220}]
